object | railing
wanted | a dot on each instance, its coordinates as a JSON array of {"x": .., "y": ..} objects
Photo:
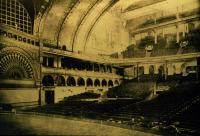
[
  {"x": 166, "y": 18},
  {"x": 164, "y": 52},
  {"x": 165, "y": 21},
  {"x": 134, "y": 54},
  {"x": 18, "y": 36},
  {"x": 80, "y": 73}
]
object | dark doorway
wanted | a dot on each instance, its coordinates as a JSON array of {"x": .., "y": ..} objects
[{"x": 49, "y": 97}]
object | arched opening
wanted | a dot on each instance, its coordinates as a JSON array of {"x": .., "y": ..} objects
[
  {"x": 188, "y": 69},
  {"x": 16, "y": 73},
  {"x": 151, "y": 71},
  {"x": 161, "y": 73},
  {"x": 64, "y": 48},
  {"x": 89, "y": 82},
  {"x": 141, "y": 71},
  {"x": 71, "y": 81},
  {"x": 104, "y": 83},
  {"x": 48, "y": 80},
  {"x": 191, "y": 26},
  {"x": 60, "y": 81},
  {"x": 110, "y": 83},
  {"x": 96, "y": 82},
  {"x": 116, "y": 82},
  {"x": 183, "y": 68},
  {"x": 192, "y": 72},
  {"x": 81, "y": 81},
  {"x": 174, "y": 69},
  {"x": 15, "y": 66}
]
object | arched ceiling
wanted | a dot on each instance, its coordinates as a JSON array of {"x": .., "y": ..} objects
[{"x": 92, "y": 26}]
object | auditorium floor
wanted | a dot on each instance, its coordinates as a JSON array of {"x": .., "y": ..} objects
[{"x": 20, "y": 124}]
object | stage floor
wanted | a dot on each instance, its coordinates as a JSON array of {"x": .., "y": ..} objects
[{"x": 21, "y": 124}]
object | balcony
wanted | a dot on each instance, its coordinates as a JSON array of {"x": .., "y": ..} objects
[
  {"x": 190, "y": 13},
  {"x": 79, "y": 73}
]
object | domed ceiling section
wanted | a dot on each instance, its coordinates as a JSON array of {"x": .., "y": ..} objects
[{"x": 92, "y": 26}]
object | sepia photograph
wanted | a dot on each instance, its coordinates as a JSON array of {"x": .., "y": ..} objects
[{"x": 100, "y": 67}]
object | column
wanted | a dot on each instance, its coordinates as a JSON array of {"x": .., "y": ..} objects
[
  {"x": 146, "y": 69},
  {"x": 55, "y": 62},
  {"x": 177, "y": 34},
  {"x": 165, "y": 70},
  {"x": 59, "y": 62},
  {"x": 163, "y": 33},
  {"x": 137, "y": 72},
  {"x": 92, "y": 67},
  {"x": 155, "y": 37}
]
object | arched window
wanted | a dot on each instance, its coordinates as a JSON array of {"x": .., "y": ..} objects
[
  {"x": 110, "y": 83},
  {"x": 151, "y": 69},
  {"x": 89, "y": 82},
  {"x": 48, "y": 80},
  {"x": 64, "y": 48},
  {"x": 188, "y": 69},
  {"x": 161, "y": 70},
  {"x": 60, "y": 81},
  {"x": 141, "y": 71},
  {"x": 80, "y": 81},
  {"x": 71, "y": 81},
  {"x": 15, "y": 15},
  {"x": 161, "y": 73},
  {"x": 104, "y": 83},
  {"x": 96, "y": 82},
  {"x": 116, "y": 82}
]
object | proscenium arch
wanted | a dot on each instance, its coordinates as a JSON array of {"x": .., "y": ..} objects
[{"x": 15, "y": 63}]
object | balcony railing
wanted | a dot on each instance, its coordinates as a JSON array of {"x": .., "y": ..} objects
[
  {"x": 166, "y": 18},
  {"x": 77, "y": 72}
]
